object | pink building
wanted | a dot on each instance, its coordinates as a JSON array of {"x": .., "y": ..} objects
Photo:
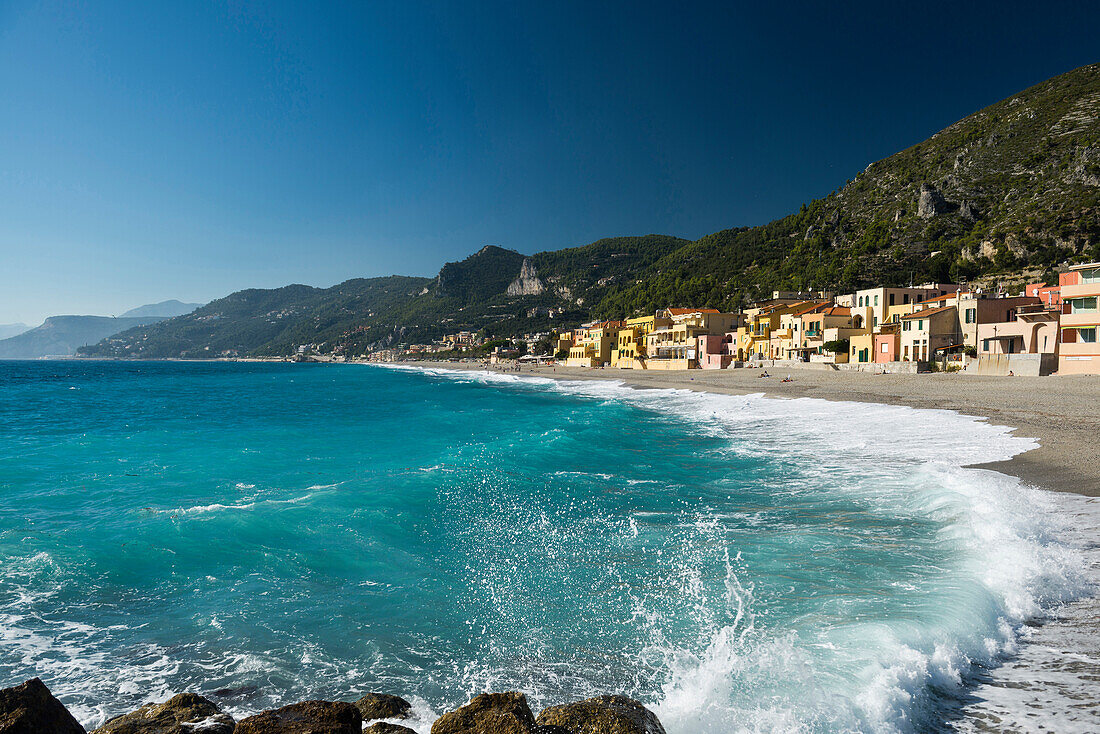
[
  {"x": 712, "y": 351},
  {"x": 886, "y": 346}
]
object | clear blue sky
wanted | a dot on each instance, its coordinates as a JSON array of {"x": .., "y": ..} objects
[{"x": 154, "y": 150}]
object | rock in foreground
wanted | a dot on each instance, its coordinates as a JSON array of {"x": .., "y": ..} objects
[
  {"x": 30, "y": 708},
  {"x": 384, "y": 728},
  {"x": 308, "y": 717},
  {"x": 603, "y": 715},
  {"x": 383, "y": 706},
  {"x": 182, "y": 714},
  {"x": 489, "y": 713}
]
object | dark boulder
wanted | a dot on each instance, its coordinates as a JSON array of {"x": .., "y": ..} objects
[
  {"x": 308, "y": 717},
  {"x": 489, "y": 713},
  {"x": 603, "y": 715},
  {"x": 384, "y": 728},
  {"x": 383, "y": 706},
  {"x": 182, "y": 714},
  {"x": 30, "y": 708}
]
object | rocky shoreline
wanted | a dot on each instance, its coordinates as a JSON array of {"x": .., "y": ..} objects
[{"x": 30, "y": 708}]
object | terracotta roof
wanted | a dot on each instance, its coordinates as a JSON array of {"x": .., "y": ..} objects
[
  {"x": 926, "y": 312},
  {"x": 814, "y": 307},
  {"x": 838, "y": 311},
  {"x": 945, "y": 295}
]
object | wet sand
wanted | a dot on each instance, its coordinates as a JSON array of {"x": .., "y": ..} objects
[{"x": 1063, "y": 413}]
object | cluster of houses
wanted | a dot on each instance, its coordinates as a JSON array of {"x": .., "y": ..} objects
[{"x": 1040, "y": 331}]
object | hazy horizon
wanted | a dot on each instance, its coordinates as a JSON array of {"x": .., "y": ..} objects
[{"x": 186, "y": 151}]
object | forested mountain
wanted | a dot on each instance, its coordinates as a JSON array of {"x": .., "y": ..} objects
[{"x": 1013, "y": 186}]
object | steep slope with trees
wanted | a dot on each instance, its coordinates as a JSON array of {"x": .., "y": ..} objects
[{"x": 1013, "y": 186}]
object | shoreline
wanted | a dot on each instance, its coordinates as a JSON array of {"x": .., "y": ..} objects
[
  {"x": 1051, "y": 674},
  {"x": 1059, "y": 412}
]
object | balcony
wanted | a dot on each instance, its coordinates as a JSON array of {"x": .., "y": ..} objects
[
  {"x": 1078, "y": 291},
  {"x": 1080, "y": 319}
]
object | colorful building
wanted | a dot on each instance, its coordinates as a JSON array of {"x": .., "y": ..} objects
[
  {"x": 927, "y": 333},
  {"x": 593, "y": 343},
  {"x": 630, "y": 343},
  {"x": 1079, "y": 349}
]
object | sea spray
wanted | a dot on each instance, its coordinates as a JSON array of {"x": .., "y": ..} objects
[{"x": 736, "y": 562}]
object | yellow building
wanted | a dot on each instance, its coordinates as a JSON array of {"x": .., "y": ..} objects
[
  {"x": 754, "y": 338},
  {"x": 630, "y": 344},
  {"x": 674, "y": 346},
  {"x": 593, "y": 344}
]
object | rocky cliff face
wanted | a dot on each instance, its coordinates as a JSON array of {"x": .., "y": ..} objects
[{"x": 527, "y": 283}]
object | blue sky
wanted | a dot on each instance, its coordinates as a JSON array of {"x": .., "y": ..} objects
[{"x": 186, "y": 150}]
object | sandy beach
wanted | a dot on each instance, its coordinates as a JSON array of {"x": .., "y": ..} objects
[{"x": 1061, "y": 412}]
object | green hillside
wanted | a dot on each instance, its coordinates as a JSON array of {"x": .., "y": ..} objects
[{"x": 1013, "y": 186}]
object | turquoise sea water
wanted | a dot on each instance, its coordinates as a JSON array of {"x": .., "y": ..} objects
[{"x": 304, "y": 531}]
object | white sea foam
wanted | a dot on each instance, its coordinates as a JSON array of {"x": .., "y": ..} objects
[{"x": 1020, "y": 559}]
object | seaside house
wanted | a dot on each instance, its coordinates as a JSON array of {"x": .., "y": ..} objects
[
  {"x": 788, "y": 341},
  {"x": 712, "y": 351},
  {"x": 1079, "y": 350},
  {"x": 926, "y": 332},
  {"x": 676, "y": 346},
  {"x": 821, "y": 326},
  {"x": 754, "y": 338},
  {"x": 630, "y": 343},
  {"x": 592, "y": 344},
  {"x": 974, "y": 308},
  {"x": 1033, "y": 330}
]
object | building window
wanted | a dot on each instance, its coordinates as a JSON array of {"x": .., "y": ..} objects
[
  {"x": 1087, "y": 335},
  {"x": 891, "y": 299},
  {"x": 876, "y": 299},
  {"x": 905, "y": 299},
  {"x": 1090, "y": 276},
  {"x": 971, "y": 315},
  {"x": 920, "y": 324},
  {"x": 874, "y": 320},
  {"x": 1083, "y": 305},
  {"x": 985, "y": 345}
]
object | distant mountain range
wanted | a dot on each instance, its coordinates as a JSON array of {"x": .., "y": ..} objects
[
  {"x": 60, "y": 336},
  {"x": 7, "y": 330},
  {"x": 167, "y": 309},
  {"x": 1012, "y": 190}
]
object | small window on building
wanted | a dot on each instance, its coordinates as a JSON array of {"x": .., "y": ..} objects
[
  {"x": 985, "y": 345},
  {"x": 876, "y": 299},
  {"x": 1087, "y": 335},
  {"x": 891, "y": 299},
  {"x": 920, "y": 324},
  {"x": 905, "y": 299}
]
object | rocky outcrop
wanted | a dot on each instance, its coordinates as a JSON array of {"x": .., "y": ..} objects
[
  {"x": 930, "y": 202},
  {"x": 30, "y": 708},
  {"x": 308, "y": 717},
  {"x": 603, "y": 715},
  {"x": 489, "y": 713},
  {"x": 384, "y": 728},
  {"x": 182, "y": 714},
  {"x": 383, "y": 706},
  {"x": 527, "y": 283}
]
